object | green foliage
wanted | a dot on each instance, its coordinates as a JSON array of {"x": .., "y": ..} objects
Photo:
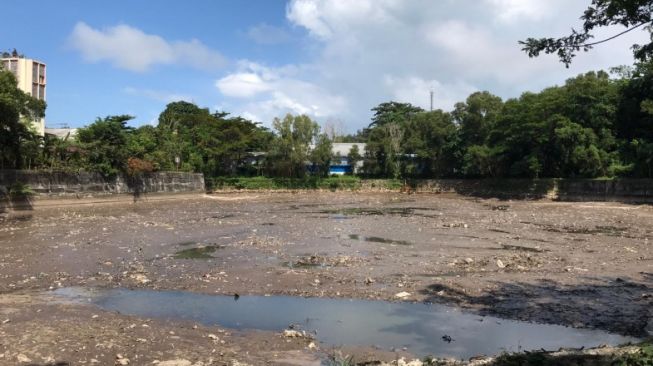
[
  {"x": 592, "y": 126},
  {"x": 290, "y": 149},
  {"x": 321, "y": 155},
  {"x": 354, "y": 157},
  {"x": 20, "y": 190},
  {"x": 631, "y": 14},
  {"x": 105, "y": 143},
  {"x": 266, "y": 183},
  {"x": 17, "y": 111}
]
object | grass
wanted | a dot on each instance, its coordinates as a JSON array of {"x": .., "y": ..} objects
[
  {"x": 265, "y": 183},
  {"x": 20, "y": 190}
]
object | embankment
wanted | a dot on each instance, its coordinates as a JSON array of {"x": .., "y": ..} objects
[
  {"x": 22, "y": 189},
  {"x": 624, "y": 190}
]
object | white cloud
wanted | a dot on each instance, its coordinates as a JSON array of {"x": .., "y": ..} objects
[
  {"x": 262, "y": 93},
  {"x": 365, "y": 52},
  {"x": 415, "y": 90},
  {"x": 268, "y": 34},
  {"x": 371, "y": 51},
  {"x": 513, "y": 10},
  {"x": 242, "y": 85},
  {"x": 130, "y": 48}
]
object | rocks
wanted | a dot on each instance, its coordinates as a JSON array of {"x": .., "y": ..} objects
[
  {"x": 402, "y": 295},
  {"x": 500, "y": 264},
  {"x": 289, "y": 333},
  {"x": 22, "y": 358},
  {"x": 121, "y": 360},
  {"x": 369, "y": 280},
  {"x": 178, "y": 362}
]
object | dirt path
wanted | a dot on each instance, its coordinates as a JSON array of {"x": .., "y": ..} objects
[{"x": 583, "y": 265}]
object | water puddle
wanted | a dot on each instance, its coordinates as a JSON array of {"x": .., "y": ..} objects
[
  {"x": 376, "y": 239},
  {"x": 522, "y": 248},
  {"x": 203, "y": 252},
  {"x": 343, "y": 213},
  {"x": 424, "y": 329},
  {"x": 303, "y": 265}
]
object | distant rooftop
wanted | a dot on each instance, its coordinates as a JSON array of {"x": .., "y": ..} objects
[{"x": 62, "y": 133}]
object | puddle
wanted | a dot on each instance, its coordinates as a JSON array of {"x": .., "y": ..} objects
[
  {"x": 392, "y": 211},
  {"x": 522, "y": 248},
  {"x": 376, "y": 239},
  {"x": 300, "y": 264},
  {"x": 419, "y": 327},
  {"x": 197, "y": 253}
]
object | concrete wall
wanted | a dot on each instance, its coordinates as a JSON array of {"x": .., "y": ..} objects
[
  {"x": 633, "y": 190},
  {"x": 61, "y": 185}
]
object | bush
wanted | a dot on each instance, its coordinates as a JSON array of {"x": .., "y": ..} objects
[
  {"x": 20, "y": 190},
  {"x": 265, "y": 183}
]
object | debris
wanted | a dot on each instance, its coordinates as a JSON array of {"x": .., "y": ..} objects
[
  {"x": 178, "y": 362},
  {"x": 500, "y": 264},
  {"x": 22, "y": 358},
  {"x": 369, "y": 280},
  {"x": 402, "y": 295},
  {"x": 289, "y": 333}
]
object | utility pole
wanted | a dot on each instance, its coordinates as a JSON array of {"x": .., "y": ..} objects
[{"x": 431, "y": 100}]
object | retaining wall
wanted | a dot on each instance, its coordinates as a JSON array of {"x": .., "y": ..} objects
[
  {"x": 83, "y": 184},
  {"x": 635, "y": 190}
]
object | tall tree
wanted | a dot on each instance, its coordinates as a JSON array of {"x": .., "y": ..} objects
[
  {"x": 289, "y": 150},
  {"x": 321, "y": 155},
  {"x": 17, "y": 111},
  {"x": 105, "y": 142}
]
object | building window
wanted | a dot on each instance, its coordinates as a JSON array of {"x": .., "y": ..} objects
[
  {"x": 42, "y": 73},
  {"x": 42, "y": 92},
  {"x": 35, "y": 90},
  {"x": 35, "y": 72}
]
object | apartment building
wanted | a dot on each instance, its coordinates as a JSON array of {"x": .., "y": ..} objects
[{"x": 31, "y": 78}]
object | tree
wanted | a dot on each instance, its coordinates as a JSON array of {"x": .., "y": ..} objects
[
  {"x": 105, "y": 144},
  {"x": 17, "y": 111},
  {"x": 354, "y": 157},
  {"x": 290, "y": 148},
  {"x": 477, "y": 116},
  {"x": 632, "y": 14},
  {"x": 321, "y": 155},
  {"x": 429, "y": 144},
  {"x": 393, "y": 112}
]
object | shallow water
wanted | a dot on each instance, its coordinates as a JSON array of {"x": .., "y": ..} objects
[
  {"x": 376, "y": 239},
  {"x": 418, "y": 327}
]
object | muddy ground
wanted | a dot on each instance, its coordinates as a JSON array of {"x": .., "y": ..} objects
[{"x": 585, "y": 265}]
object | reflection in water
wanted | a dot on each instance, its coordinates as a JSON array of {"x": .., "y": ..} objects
[{"x": 421, "y": 328}]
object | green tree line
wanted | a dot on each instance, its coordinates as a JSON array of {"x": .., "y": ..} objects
[{"x": 597, "y": 124}]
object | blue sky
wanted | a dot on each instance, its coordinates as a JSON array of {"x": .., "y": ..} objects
[{"x": 330, "y": 59}]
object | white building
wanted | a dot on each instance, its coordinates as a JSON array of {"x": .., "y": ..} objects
[{"x": 31, "y": 78}]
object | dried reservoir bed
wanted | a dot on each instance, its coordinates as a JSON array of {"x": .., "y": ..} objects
[{"x": 586, "y": 265}]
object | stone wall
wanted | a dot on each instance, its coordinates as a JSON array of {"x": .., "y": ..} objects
[
  {"x": 62, "y": 185},
  {"x": 627, "y": 190}
]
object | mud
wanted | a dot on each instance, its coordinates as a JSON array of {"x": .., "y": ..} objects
[{"x": 586, "y": 265}]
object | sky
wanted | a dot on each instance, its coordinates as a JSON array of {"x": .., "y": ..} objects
[{"x": 333, "y": 60}]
